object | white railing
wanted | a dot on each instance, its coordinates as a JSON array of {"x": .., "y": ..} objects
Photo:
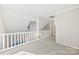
[{"x": 10, "y": 40}]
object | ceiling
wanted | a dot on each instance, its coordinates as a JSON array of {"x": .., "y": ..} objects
[{"x": 43, "y": 10}]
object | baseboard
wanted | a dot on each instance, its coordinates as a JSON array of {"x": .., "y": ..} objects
[{"x": 67, "y": 45}]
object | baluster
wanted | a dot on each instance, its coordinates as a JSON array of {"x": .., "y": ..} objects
[
  {"x": 20, "y": 38},
  {"x": 29, "y": 36},
  {"x": 7, "y": 40},
  {"x": 3, "y": 41},
  {"x": 11, "y": 40},
  {"x": 17, "y": 39},
  {"x": 14, "y": 40},
  {"x": 25, "y": 37}
]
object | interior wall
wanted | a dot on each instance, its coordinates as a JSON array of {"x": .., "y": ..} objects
[
  {"x": 2, "y": 29},
  {"x": 67, "y": 28},
  {"x": 42, "y": 23},
  {"x": 16, "y": 22}
]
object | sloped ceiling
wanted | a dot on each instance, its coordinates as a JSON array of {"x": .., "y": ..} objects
[{"x": 16, "y": 16}]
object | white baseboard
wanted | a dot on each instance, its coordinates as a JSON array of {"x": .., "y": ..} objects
[{"x": 68, "y": 45}]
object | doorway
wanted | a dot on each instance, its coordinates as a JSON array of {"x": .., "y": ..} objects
[{"x": 53, "y": 28}]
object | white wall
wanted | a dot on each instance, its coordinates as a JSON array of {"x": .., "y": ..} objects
[
  {"x": 2, "y": 29},
  {"x": 42, "y": 23},
  {"x": 67, "y": 28},
  {"x": 43, "y": 34},
  {"x": 16, "y": 22}
]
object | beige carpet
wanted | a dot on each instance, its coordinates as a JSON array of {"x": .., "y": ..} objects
[{"x": 23, "y": 53}]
